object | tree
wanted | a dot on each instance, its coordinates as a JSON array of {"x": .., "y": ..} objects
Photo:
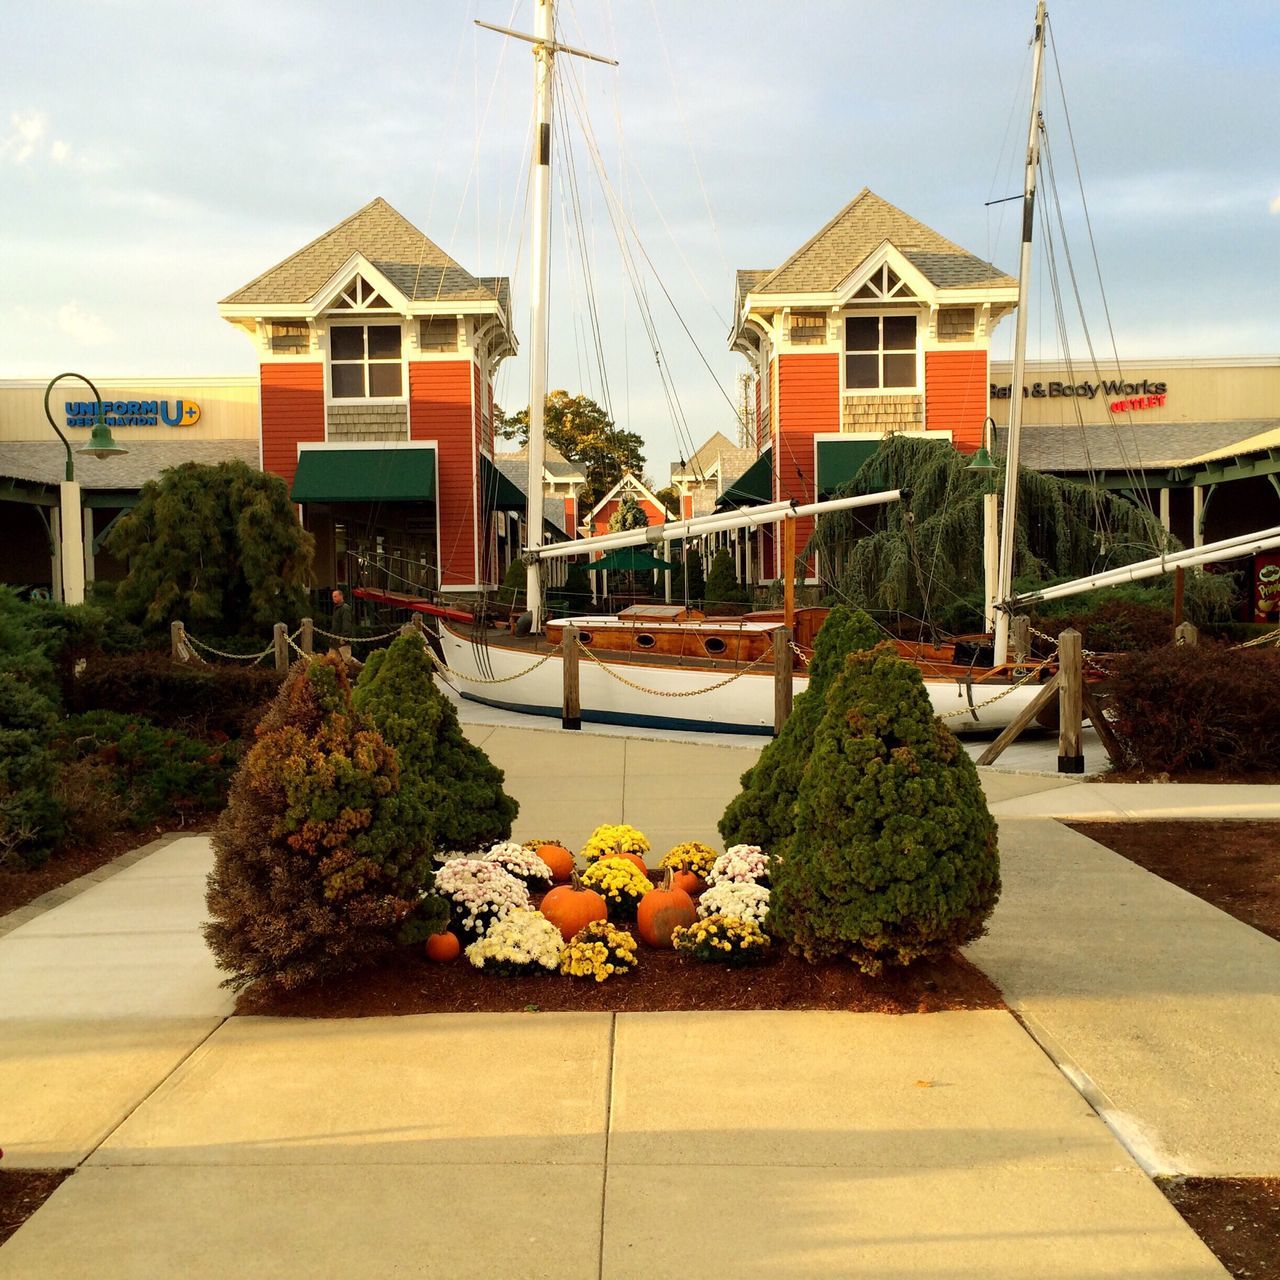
[
  {"x": 449, "y": 789},
  {"x": 629, "y": 515},
  {"x": 722, "y": 581},
  {"x": 697, "y": 582},
  {"x": 894, "y": 856},
  {"x": 317, "y": 868},
  {"x": 763, "y": 812},
  {"x": 669, "y": 498},
  {"x": 217, "y": 544},
  {"x": 581, "y": 430},
  {"x": 922, "y": 564}
]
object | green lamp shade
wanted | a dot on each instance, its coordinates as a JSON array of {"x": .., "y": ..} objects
[
  {"x": 101, "y": 444},
  {"x": 981, "y": 460}
]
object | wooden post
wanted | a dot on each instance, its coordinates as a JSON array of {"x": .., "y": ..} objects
[
  {"x": 1048, "y": 691},
  {"x": 308, "y": 636},
  {"x": 177, "y": 642},
  {"x": 1186, "y": 633},
  {"x": 789, "y": 578},
  {"x": 1070, "y": 701},
  {"x": 1179, "y": 588},
  {"x": 280, "y": 637},
  {"x": 1101, "y": 725},
  {"x": 781, "y": 673},
  {"x": 571, "y": 707},
  {"x": 1020, "y": 637}
]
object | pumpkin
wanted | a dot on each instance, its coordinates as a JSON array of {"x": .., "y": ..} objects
[
  {"x": 443, "y": 947},
  {"x": 570, "y": 907},
  {"x": 559, "y": 859},
  {"x": 634, "y": 858},
  {"x": 662, "y": 911},
  {"x": 687, "y": 880}
]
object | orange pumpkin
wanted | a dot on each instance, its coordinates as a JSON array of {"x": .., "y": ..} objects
[
  {"x": 662, "y": 911},
  {"x": 570, "y": 907},
  {"x": 687, "y": 880},
  {"x": 559, "y": 859},
  {"x": 443, "y": 947},
  {"x": 634, "y": 858}
]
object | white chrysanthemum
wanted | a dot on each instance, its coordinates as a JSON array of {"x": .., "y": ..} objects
[
  {"x": 521, "y": 938},
  {"x": 738, "y": 899},
  {"x": 480, "y": 890},
  {"x": 741, "y": 863},
  {"x": 519, "y": 861}
]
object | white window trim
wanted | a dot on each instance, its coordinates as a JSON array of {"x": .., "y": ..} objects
[
  {"x": 363, "y": 320},
  {"x": 881, "y": 392}
]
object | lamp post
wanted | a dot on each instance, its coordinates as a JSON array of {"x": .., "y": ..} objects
[
  {"x": 990, "y": 523},
  {"x": 101, "y": 445}
]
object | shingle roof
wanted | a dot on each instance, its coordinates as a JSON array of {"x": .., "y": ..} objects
[
  {"x": 732, "y": 460},
  {"x": 1127, "y": 446},
  {"x": 421, "y": 270},
  {"x": 554, "y": 463},
  {"x": 516, "y": 469},
  {"x": 865, "y": 223},
  {"x": 41, "y": 463}
]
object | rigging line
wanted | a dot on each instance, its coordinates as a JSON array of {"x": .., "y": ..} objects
[
  {"x": 688, "y": 133},
  {"x": 1138, "y": 476},
  {"x": 1015, "y": 106}
]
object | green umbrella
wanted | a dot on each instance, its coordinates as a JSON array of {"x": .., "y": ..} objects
[{"x": 629, "y": 559}]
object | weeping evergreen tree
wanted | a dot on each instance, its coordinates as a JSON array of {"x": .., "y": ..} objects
[
  {"x": 763, "y": 812},
  {"x": 219, "y": 544},
  {"x": 924, "y": 553}
]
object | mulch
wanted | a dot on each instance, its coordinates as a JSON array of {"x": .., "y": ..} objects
[
  {"x": 1235, "y": 865},
  {"x": 18, "y": 885},
  {"x": 22, "y": 1192},
  {"x": 1238, "y": 1218},
  {"x": 662, "y": 981}
]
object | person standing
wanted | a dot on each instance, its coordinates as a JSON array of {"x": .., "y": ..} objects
[{"x": 341, "y": 624}]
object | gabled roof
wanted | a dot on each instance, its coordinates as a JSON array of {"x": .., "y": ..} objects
[
  {"x": 421, "y": 270},
  {"x": 718, "y": 456},
  {"x": 516, "y": 469},
  {"x": 554, "y": 463},
  {"x": 629, "y": 480},
  {"x": 861, "y": 227},
  {"x": 1132, "y": 445}
]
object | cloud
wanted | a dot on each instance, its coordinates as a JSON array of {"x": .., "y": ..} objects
[
  {"x": 83, "y": 326},
  {"x": 60, "y": 152},
  {"x": 26, "y": 132},
  {"x": 1274, "y": 206}
]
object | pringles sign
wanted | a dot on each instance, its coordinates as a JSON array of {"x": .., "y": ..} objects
[
  {"x": 1266, "y": 588},
  {"x": 133, "y": 413},
  {"x": 1122, "y": 397}
]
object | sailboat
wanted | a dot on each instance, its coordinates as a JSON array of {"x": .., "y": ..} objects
[{"x": 668, "y": 667}]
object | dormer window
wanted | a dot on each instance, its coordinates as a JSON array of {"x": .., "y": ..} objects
[{"x": 365, "y": 361}]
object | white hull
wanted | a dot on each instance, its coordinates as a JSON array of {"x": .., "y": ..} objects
[{"x": 743, "y": 706}]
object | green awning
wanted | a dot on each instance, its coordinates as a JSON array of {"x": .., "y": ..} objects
[
  {"x": 629, "y": 559},
  {"x": 365, "y": 475},
  {"x": 497, "y": 493},
  {"x": 839, "y": 461},
  {"x": 753, "y": 487}
]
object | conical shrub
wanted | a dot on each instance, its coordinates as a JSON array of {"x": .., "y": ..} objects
[
  {"x": 894, "y": 856},
  {"x": 313, "y": 871},
  {"x": 449, "y": 788},
  {"x": 763, "y": 812}
]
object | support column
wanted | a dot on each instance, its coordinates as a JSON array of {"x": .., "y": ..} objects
[
  {"x": 1164, "y": 509},
  {"x": 88, "y": 545},
  {"x": 1197, "y": 515},
  {"x": 55, "y": 538},
  {"x": 73, "y": 545}
]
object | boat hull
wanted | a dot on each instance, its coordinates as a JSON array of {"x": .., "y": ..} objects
[{"x": 678, "y": 698}]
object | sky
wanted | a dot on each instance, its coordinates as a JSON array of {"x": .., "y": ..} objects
[{"x": 156, "y": 156}]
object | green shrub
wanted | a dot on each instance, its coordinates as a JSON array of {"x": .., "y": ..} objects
[
  {"x": 202, "y": 700},
  {"x": 763, "y": 812},
  {"x": 31, "y": 819},
  {"x": 894, "y": 855},
  {"x": 722, "y": 582},
  {"x": 313, "y": 874},
  {"x": 1205, "y": 706},
  {"x": 155, "y": 772},
  {"x": 449, "y": 789}
]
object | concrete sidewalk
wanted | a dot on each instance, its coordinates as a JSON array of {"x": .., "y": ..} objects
[{"x": 586, "y": 1146}]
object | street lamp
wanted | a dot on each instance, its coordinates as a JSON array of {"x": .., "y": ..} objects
[
  {"x": 100, "y": 445},
  {"x": 983, "y": 464}
]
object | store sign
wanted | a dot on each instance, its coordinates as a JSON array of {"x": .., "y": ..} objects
[
  {"x": 1122, "y": 397},
  {"x": 1266, "y": 588},
  {"x": 133, "y": 413}
]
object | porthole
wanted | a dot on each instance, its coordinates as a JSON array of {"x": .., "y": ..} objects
[
  {"x": 584, "y": 637},
  {"x": 645, "y": 641},
  {"x": 714, "y": 645}
]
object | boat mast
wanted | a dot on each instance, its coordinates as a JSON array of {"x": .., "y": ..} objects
[{"x": 1009, "y": 525}]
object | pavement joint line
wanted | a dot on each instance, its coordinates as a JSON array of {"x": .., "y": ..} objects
[
  {"x": 150, "y": 1093},
  {"x": 65, "y": 893},
  {"x": 608, "y": 1134}
]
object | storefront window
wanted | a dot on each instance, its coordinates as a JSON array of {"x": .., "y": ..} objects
[
  {"x": 879, "y": 353},
  {"x": 365, "y": 361}
]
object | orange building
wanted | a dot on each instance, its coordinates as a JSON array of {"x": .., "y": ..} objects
[
  {"x": 377, "y": 354},
  {"x": 877, "y": 324}
]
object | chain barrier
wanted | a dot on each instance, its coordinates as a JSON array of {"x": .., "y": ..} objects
[
  {"x": 333, "y": 635},
  {"x": 236, "y": 657},
  {"x": 664, "y": 693},
  {"x": 1004, "y": 693},
  {"x": 475, "y": 679},
  {"x": 1271, "y": 637},
  {"x": 795, "y": 648}
]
